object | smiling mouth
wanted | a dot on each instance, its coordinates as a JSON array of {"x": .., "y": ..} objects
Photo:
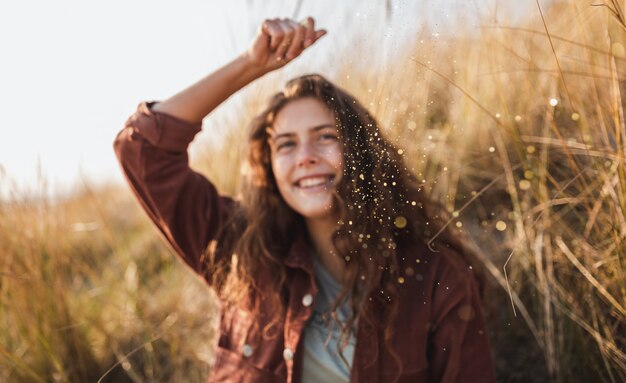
[{"x": 315, "y": 182}]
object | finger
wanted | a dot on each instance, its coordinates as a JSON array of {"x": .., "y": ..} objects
[
  {"x": 309, "y": 37},
  {"x": 319, "y": 34},
  {"x": 296, "y": 46},
  {"x": 273, "y": 29},
  {"x": 286, "y": 40}
]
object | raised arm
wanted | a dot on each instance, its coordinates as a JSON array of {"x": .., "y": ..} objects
[
  {"x": 276, "y": 43},
  {"x": 152, "y": 147}
]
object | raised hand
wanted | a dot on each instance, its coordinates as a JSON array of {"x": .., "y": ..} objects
[{"x": 279, "y": 41}]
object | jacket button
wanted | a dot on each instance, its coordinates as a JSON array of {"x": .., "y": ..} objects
[
  {"x": 288, "y": 354},
  {"x": 247, "y": 350},
  {"x": 307, "y": 299}
]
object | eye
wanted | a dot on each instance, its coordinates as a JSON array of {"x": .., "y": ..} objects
[
  {"x": 286, "y": 144},
  {"x": 329, "y": 137}
]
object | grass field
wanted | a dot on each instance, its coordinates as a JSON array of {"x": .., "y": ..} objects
[{"x": 520, "y": 131}]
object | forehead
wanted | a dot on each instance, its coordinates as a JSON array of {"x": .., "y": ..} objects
[{"x": 301, "y": 115}]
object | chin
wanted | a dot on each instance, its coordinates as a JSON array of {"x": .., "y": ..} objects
[{"x": 315, "y": 211}]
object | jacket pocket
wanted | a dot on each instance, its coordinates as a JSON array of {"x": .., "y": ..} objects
[{"x": 235, "y": 327}]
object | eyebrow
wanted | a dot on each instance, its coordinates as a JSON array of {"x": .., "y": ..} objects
[{"x": 314, "y": 129}]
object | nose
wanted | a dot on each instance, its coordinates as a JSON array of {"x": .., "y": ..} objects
[{"x": 307, "y": 156}]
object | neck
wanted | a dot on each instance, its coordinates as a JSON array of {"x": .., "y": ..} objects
[{"x": 320, "y": 232}]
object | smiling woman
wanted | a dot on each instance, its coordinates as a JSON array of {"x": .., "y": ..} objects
[{"x": 325, "y": 266}]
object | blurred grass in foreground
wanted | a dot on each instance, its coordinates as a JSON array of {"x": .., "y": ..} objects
[{"x": 519, "y": 131}]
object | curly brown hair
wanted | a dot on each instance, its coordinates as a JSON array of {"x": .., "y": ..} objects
[{"x": 383, "y": 210}]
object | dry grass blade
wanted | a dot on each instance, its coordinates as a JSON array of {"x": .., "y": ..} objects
[
  {"x": 572, "y": 258},
  {"x": 616, "y": 10}
]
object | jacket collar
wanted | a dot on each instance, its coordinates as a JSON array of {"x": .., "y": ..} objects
[{"x": 299, "y": 255}]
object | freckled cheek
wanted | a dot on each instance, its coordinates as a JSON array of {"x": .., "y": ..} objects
[{"x": 335, "y": 157}]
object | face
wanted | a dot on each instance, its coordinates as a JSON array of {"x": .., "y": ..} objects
[{"x": 307, "y": 157}]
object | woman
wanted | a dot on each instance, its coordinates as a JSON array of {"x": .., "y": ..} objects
[{"x": 323, "y": 266}]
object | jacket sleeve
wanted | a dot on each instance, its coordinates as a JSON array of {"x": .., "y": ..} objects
[
  {"x": 184, "y": 205},
  {"x": 459, "y": 347}
]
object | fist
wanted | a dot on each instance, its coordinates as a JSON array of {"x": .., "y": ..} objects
[{"x": 279, "y": 41}]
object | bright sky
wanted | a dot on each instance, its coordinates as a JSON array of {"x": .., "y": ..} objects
[{"x": 73, "y": 71}]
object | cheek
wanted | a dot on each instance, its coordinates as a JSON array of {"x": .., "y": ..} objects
[
  {"x": 335, "y": 157},
  {"x": 280, "y": 167}
]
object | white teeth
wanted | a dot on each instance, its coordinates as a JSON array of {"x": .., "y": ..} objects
[{"x": 313, "y": 181}]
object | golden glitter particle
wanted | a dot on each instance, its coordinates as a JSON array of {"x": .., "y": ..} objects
[
  {"x": 501, "y": 226},
  {"x": 529, "y": 174},
  {"x": 400, "y": 151},
  {"x": 411, "y": 125},
  {"x": 518, "y": 118},
  {"x": 401, "y": 280},
  {"x": 554, "y": 102},
  {"x": 466, "y": 313},
  {"x": 400, "y": 222},
  {"x": 492, "y": 149},
  {"x": 413, "y": 203},
  {"x": 361, "y": 176},
  {"x": 455, "y": 213},
  {"x": 347, "y": 258},
  {"x": 459, "y": 224},
  {"x": 530, "y": 149},
  {"x": 575, "y": 116},
  {"x": 524, "y": 184}
]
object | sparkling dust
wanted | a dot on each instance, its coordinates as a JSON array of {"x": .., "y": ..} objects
[
  {"x": 400, "y": 222},
  {"x": 524, "y": 184},
  {"x": 501, "y": 226},
  {"x": 554, "y": 102}
]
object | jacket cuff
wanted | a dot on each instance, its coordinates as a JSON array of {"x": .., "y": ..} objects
[{"x": 162, "y": 130}]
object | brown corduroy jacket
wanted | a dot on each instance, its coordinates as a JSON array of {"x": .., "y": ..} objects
[{"x": 439, "y": 333}]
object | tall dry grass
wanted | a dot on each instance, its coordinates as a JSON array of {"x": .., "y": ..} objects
[
  {"x": 519, "y": 130},
  {"x": 89, "y": 293}
]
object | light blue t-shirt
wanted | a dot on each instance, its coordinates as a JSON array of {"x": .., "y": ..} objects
[{"x": 321, "y": 360}]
